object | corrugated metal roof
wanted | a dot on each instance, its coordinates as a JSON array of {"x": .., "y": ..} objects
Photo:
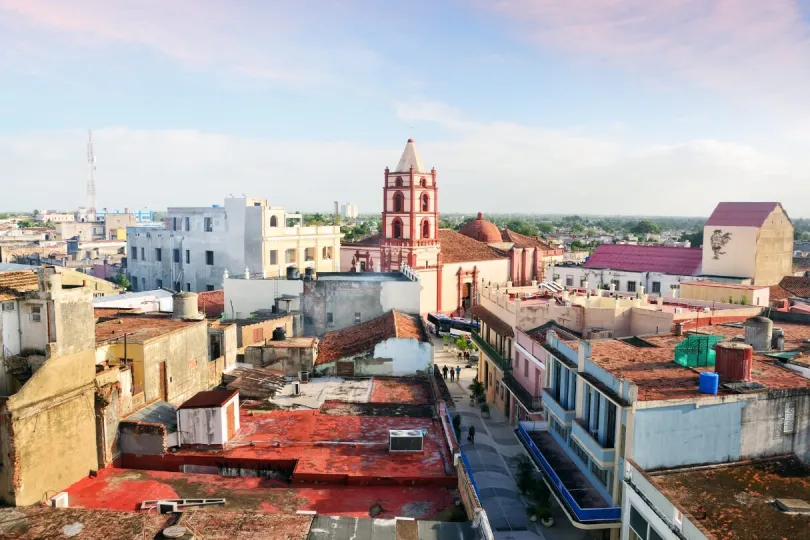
[
  {"x": 666, "y": 260},
  {"x": 160, "y": 412},
  {"x": 741, "y": 214}
]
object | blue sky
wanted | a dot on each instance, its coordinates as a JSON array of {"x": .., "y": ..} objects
[{"x": 617, "y": 107}]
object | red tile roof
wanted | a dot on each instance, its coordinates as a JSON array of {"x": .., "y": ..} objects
[
  {"x": 778, "y": 293},
  {"x": 521, "y": 240},
  {"x": 212, "y": 303},
  {"x": 797, "y": 286},
  {"x": 741, "y": 214},
  {"x": 138, "y": 327},
  {"x": 666, "y": 260},
  {"x": 209, "y": 399},
  {"x": 455, "y": 247},
  {"x": 15, "y": 284},
  {"x": 373, "y": 240},
  {"x": 364, "y": 336}
]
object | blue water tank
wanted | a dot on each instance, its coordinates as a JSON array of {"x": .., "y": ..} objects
[{"x": 709, "y": 382}]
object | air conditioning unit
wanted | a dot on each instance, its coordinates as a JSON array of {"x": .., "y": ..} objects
[
  {"x": 60, "y": 500},
  {"x": 296, "y": 388},
  {"x": 303, "y": 376},
  {"x": 166, "y": 507},
  {"x": 405, "y": 440}
]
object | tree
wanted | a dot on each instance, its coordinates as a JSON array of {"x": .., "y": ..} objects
[
  {"x": 696, "y": 238},
  {"x": 645, "y": 227},
  {"x": 122, "y": 281},
  {"x": 521, "y": 226},
  {"x": 545, "y": 228},
  {"x": 25, "y": 223}
]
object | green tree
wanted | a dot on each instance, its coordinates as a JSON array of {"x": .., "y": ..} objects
[
  {"x": 696, "y": 238},
  {"x": 24, "y": 223},
  {"x": 521, "y": 226},
  {"x": 122, "y": 281},
  {"x": 545, "y": 227},
  {"x": 645, "y": 227}
]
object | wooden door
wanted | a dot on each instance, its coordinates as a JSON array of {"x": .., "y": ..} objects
[
  {"x": 230, "y": 421},
  {"x": 162, "y": 381}
]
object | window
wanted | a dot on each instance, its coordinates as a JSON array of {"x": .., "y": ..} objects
[
  {"x": 425, "y": 202},
  {"x": 289, "y": 255},
  {"x": 556, "y": 277},
  {"x": 273, "y": 256},
  {"x": 330, "y": 319},
  {"x": 143, "y": 283},
  {"x": 656, "y": 287},
  {"x": 209, "y": 224},
  {"x": 582, "y": 281},
  {"x": 615, "y": 283},
  {"x": 188, "y": 223},
  {"x": 640, "y": 529},
  {"x": 188, "y": 287},
  {"x": 188, "y": 256},
  {"x": 398, "y": 181},
  {"x": 603, "y": 475},
  {"x": 309, "y": 254},
  {"x": 158, "y": 254},
  {"x": 174, "y": 223},
  {"x": 569, "y": 281},
  {"x": 209, "y": 287},
  {"x": 143, "y": 254},
  {"x": 273, "y": 221},
  {"x": 158, "y": 283},
  {"x": 177, "y": 287},
  {"x": 399, "y": 202},
  {"x": 209, "y": 258},
  {"x": 134, "y": 253},
  {"x": 423, "y": 182},
  {"x": 790, "y": 418},
  {"x": 580, "y": 452},
  {"x": 8, "y": 306},
  {"x": 214, "y": 346},
  {"x": 525, "y": 367},
  {"x": 631, "y": 286},
  {"x": 610, "y": 436},
  {"x": 176, "y": 255},
  {"x": 426, "y": 229},
  {"x": 326, "y": 253},
  {"x": 396, "y": 226},
  {"x": 356, "y": 317}
]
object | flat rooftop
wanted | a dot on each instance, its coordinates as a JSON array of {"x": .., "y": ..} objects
[
  {"x": 139, "y": 327},
  {"x": 737, "y": 500},
  {"x": 125, "y": 489},
  {"x": 322, "y": 389},
  {"x": 652, "y": 368},
  {"x": 362, "y": 276}
]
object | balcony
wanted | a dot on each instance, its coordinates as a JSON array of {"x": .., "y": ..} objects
[
  {"x": 505, "y": 364},
  {"x": 582, "y": 501},
  {"x": 530, "y": 402},
  {"x": 551, "y": 403},
  {"x": 605, "y": 456}
]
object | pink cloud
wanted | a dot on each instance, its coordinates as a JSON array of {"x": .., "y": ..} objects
[{"x": 751, "y": 46}]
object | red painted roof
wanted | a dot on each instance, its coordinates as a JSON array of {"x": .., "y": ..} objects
[
  {"x": 364, "y": 336},
  {"x": 209, "y": 399},
  {"x": 212, "y": 303},
  {"x": 741, "y": 214},
  {"x": 666, "y": 260}
]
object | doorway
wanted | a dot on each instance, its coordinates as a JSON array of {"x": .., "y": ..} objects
[
  {"x": 466, "y": 299},
  {"x": 163, "y": 381}
]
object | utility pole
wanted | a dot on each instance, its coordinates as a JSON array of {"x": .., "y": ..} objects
[{"x": 91, "y": 179}]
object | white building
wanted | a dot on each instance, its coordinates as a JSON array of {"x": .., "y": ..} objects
[
  {"x": 349, "y": 211},
  {"x": 197, "y": 245}
]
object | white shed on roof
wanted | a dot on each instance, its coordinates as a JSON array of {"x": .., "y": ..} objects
[{"x": 209, "y": 418}]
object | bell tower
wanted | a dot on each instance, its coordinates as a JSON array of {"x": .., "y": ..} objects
[{"x": 410, "y": 217}]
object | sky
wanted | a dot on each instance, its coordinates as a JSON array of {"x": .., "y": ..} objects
[{"x": 627, "y": 107}]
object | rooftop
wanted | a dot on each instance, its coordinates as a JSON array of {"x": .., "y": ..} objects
[
  {"x": 16, "y": 284},
  {"x": 139, "y": 328},
  {"x": 253, "y": 382},
  {"x": 521, "y": 240},
  {"x": 364, "y": 336},
  {"x": 737, "y": 500},
  {"x": 665, "y": 260},
  {"x": 652, "y": 367},
  {"x": 723, "y": 285},
  {"x": 741, "y": 214},
  {"x": 125, "y": 489},
  {"x": 482, "y": 230},
  {"x": 212, "y": 303},
  {"x": 455, "y": 247},
  {"x": 797, "y": 286},
  {"x": 209, "y": 399},
  {"x": 410, "y": 159},
  {"x": 372, "y": 241},
  {"x": 292, "y": 343}
]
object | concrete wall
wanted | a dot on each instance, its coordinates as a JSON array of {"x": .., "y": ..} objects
[
  {"x": 289, "y": 360},
  {"x": 737, "y": 258},
  {"x": 600, "y": 277},
  {"x": 251, "y": 334},
  {"x": 714, "y": 293},
  {"x": 185, "y": 352},
  {"x": 774, "y": 257},
  {"x": 207, "y": 426},
  {"x": 142, "y": 438},
  {"x": 396, "y": 356},
  {"x": 246, "y": 296}
]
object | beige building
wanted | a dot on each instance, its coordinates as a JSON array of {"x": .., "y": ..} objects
[
  {"x": 727, "y": 293},
  {"x": 748, "y": 240}
]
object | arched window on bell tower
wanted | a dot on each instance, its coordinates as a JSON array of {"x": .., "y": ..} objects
[
  {"x": 425, "y": 202},
  {"x": 396, "y": 228},
  {"x": 423, "y": 182},
  {"x": 399, "y": 202},
  {"x": 398, "y": 181},
  {"x": 425, "y": 228}
]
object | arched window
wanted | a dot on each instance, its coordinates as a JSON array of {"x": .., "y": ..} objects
[
  {"x": 273, "y": 221},
  {"x": 425, "y": 229},
  {"x": 396, "y": 227},
  {"x": 399, "y": 202},
  {"x": 398, "y": 181},
  {"x": 425, "y": 202},
  {"x": 423, "y": 182}
]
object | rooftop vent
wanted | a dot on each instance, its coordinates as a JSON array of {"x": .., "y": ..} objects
[
  {"x": 793, "y": 506},
  {"x": 405, "y": 440},
  {"x": 175, "y": 531},
  {"x": 733, "y": 361}
]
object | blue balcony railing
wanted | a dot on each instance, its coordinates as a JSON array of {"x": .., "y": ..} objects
[{"x": 583, "y": 515}]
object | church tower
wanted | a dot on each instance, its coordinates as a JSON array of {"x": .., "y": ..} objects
[{"x": 410, "y": 217}]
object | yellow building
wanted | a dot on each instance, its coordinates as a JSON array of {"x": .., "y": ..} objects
[{"x": 726, "y": 293}]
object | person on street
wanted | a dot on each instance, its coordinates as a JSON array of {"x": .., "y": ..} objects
[
  {"x": 458, "y": 373},
  {"x": 452, "y": 374},
  {"x": 444, "y": 371},
  {"x": 471, "y": 434}
]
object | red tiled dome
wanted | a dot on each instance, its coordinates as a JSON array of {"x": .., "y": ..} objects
[{"x": 481, "y": 230}]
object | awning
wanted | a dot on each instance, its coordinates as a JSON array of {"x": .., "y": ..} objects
[{"x": 492, "y": 321}]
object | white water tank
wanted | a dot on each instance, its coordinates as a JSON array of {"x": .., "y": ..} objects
[{"x": 185, "y": 306}]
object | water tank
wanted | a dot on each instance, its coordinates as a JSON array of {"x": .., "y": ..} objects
[
  {"x": 185, "y": 306},
  {"x": 759, "y": 333},
  {"x": 279, "y": 334},
  {"x": 292, "y": 272},
  {"x": 775, "y": 339},
  {"x": 732, "y": 361},
  {"x": 709, "y": 382}
]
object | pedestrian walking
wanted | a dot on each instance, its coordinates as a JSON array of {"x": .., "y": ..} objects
[
  {"x": 471, "y": 434},
  {"x": 444, "y": 371},
  {"x": 452, "y": 374},
  {"x": 458, "y": 373}
]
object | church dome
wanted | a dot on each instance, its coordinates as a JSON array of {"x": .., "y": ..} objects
[{"x": 481, "y": 230}]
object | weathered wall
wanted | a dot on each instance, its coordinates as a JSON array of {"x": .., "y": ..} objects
[
  {"x": 289, "y": 360},
  {"x": 408, "y": 356},
  {"x": 713, "y": 293},
  {"x": 142, "y": 438},
  {"x": 185, "y": 352},
  {"x": 246, "y": 296},
  {"x": 250, "y": 334},
  {"x": 647, "y": 321},
  {"x": 737, "y": 258},
  {"x": 763, "y": 422},
  {"x": 774, "y": 258},
  {"x": 206, "y": 426}
]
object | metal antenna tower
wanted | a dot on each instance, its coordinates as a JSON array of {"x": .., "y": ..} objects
[{"x": 91, "y": 180}]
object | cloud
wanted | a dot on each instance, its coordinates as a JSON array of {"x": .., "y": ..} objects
[
  {"x": 487, "y": 166},
  {"x": 749, "y": 48},
  {"x": 262, "y": 43}
]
